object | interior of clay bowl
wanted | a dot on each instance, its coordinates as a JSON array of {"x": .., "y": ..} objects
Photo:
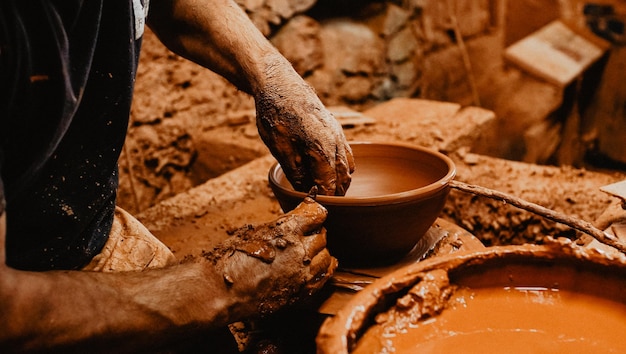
[
  {"x": 397, "y": 192},
  {"x": 508, "y": 299}
]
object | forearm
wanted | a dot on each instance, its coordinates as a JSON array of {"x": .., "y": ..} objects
[
  {"x": 254, "y": 272},
  {"x": 77, "y": 309},
  {"x": 219, "y": 36}
]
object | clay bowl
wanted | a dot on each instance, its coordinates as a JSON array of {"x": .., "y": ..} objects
[
  {"x": 396, "y": 194},
  {"x": 507, "y": 299}
]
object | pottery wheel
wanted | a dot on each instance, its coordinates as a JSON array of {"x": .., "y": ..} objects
[{"x": 442, "y": 238}]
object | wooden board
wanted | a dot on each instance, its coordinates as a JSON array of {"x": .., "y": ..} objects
[
  {"x": 555, "y": 53},
  {"x": 617, "y": 189}
]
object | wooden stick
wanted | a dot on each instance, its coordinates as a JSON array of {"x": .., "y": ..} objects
[{"x": 570, "y": 221}]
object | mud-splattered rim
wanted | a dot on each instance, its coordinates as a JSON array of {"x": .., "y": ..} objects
[{"x": 276, "y": 174}]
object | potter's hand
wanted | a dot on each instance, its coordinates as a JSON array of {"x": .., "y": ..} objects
[
  {"x": 304, "y": 137},
  {"x": 277, "y": 263}
]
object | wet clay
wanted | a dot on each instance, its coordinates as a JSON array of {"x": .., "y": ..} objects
[
  {"x": 511, "y": 320},
  {"x": 554, "y": 298},
  {"x": 383, "y": 175},
  {"x": 384, "y": 170}
]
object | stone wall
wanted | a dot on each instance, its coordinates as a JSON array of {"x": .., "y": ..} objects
[{"x": 359, "y": 53}]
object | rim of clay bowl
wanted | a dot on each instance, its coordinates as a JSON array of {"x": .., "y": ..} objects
[{"x": 387, "y": 199}]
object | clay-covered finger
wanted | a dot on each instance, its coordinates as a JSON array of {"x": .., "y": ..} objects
[
  {"x": 295, "y": 165},
  {"x": 277, "y": 137},
  {"x": 308, "y": 216},
  {"x": 314, "y": 243},
  {"x": 322, "y": 267},
  {"x": 296, "y": 172},
  {"x": 344, "y": 167},
  {"x": 323, "y": 169}
]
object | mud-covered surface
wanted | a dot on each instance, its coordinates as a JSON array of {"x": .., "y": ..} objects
[
  {"x": 194, "y": 169},
  {"x": 190, "y": 125},
  {"x": 569, "y": 191}
]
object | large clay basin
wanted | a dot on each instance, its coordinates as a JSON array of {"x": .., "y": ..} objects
[
  {"x": 397, "y": 192},
  {"x": 554, "y": 298}
]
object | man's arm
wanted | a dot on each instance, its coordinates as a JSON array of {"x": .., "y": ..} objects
[
  {"x": 303, "y": 136},
  {"x": 75, "y": 310},
  {"x": 219, "y": 36}
]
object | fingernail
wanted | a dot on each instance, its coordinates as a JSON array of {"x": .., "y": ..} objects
[
  {"x": 228, "y": 279},
  {"x": 313, "y": 192}
]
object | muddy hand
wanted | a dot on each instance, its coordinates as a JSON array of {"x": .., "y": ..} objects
[
  {"x": 279, "y": 262},
  {"x": 305, "y": 138}
]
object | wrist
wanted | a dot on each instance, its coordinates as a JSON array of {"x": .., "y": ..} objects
[
  {"x": 224, "y": 296},
  {"x": 272, "y": 73}
]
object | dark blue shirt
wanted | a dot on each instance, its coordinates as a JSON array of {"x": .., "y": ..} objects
[{"x": 67, "y": 70}]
